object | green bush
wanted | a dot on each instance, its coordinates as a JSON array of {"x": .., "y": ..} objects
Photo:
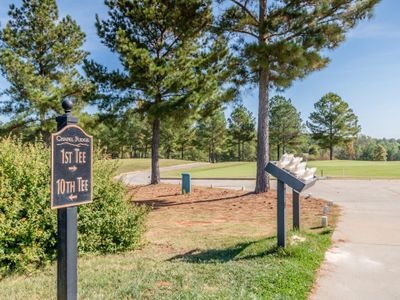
[{"x": 28, "y": 226}]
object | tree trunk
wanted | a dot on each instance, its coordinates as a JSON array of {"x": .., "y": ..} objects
[
  {"x": 155, "y": 143},
  {"x": 182, "y": 151},
  {"x": 238, "y": 150},
  {"x": 212, "y": 152},
  {"x": 262, "y": 180},
  {"x": 242, "y": 151},
  {"x": 278, "y": 152},
  {"x": 44, "y": 135},
  {"x": 331, "y": 152}
]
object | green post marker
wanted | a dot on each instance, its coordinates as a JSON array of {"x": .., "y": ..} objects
[{"x": 185, "y": 183}]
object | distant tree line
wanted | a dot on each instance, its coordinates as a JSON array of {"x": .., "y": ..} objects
[
  {"x": 368, "y": 148},
  {"x": 218, "y": 138}
]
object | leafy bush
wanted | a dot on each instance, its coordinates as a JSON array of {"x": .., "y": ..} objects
[{"x": 28, "y": 226}]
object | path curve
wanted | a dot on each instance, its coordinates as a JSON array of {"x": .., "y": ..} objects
[{"x": 143, "y": 177}]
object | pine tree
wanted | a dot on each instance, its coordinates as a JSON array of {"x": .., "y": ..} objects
[
  {"x": 185, "y": 134},
  {"x": 350, "y": 151},
  {"x": 171, "y": 67},
  {"x": 241, "y": 127},
  {"x": 168, "y": 138},
  {"x": 285, "y": 124},
  {"x": 380, "y": 153},
  {"x": 333, "y": 122},
  {"x": 39, "y": 55},
  {"x": 279, "y": 41},
  {"x": 211, "y": 135}
]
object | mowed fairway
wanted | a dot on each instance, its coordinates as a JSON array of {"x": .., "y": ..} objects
[
  {"x": 218, "y": 170},
  {"x": 335, "y": 168},
  {"x": 139, "y": 164},
  {"x": 358, "y": 169}
]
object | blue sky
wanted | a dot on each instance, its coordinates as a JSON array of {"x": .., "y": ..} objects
[{"x": 364, "y": 70}]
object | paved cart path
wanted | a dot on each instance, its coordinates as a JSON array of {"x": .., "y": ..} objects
[
  {"x": 364, "y": 262},
  {"x": 143, "y": 177}
]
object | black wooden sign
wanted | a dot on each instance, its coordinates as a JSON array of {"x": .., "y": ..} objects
[{"x": 71, "y": 167}]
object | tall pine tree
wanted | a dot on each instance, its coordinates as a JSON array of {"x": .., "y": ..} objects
[
  {"x": 333, "y": 123},
  {"x": 39, "y": 55},
  {"x": 211, "y": 135},
  {"x": 242, "y": 128},
  {"x": 284, "y": 123},
  {"x": 282, "y": 40},
  {"x": 171, "y": 67}
]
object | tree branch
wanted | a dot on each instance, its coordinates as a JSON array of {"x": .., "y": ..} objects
[{"x": 246, "y": 10}]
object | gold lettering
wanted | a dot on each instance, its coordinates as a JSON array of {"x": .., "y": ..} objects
[
  {"x": 70, "y": 187},
  {"x": 60, "y": 186},
  {"x": 83, "y": 185},
  {"x": 66, "y": 156},
  {"x": 80, "y": 156},
  {"x": 64, "y": 186}
]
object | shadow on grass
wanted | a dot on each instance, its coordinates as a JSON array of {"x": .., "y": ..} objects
[
  {"x": 158, "y": 203},
  {"x": 242, "y": 251},
  {"x": 322, "y": 230},
  {"x": 264, "y": 248}
]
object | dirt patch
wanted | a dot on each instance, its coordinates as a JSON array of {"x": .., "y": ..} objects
[{"x": 213, "y": 216}]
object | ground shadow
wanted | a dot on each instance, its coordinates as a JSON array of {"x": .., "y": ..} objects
[
  {"x": 158, "y": 203},
  {"x": 322, "y": 230},
  {"x": 316, "y": 227},
  {"x": 228, "y": 254}
]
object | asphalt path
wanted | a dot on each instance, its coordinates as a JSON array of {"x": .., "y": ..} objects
[{"x": 143, "y": 177}]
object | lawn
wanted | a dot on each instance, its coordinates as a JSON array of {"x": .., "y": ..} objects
[
  {"x": 212, "y": 244},
  {"x": 139, "y": 164},
  {"x": 358, "y": 169},
  {"x": 218, "y": 170},
  {"x": 335, "y": 168}
]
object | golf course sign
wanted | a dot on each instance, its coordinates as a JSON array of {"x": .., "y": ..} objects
[{"x": 71, "y": 167}]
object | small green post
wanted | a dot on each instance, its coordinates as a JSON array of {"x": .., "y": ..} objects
[{"x": 185, "y": 183}]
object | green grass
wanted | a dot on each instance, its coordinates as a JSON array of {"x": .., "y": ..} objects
[
  {"x": 218, "y": 170},
  {"x": 243, "y": 270},
  {"x": 358, "y": 169},
  {"x": 335, "y": 168},
  {"x": 139, "y": 164}
]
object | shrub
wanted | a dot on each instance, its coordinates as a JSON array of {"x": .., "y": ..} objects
[{"x": 28, "y": 226}]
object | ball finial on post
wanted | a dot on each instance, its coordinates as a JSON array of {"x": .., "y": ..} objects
[
  {"x": 67, "y": 118},
  {"x": 67, "y": 105}
]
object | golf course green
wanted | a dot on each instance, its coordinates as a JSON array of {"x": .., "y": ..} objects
[{"x": 335, "y": 168}]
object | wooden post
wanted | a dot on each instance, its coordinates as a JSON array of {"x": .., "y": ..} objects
[
  {"x": 296, "y": 210},
  {"x": 281, "y": 214}
]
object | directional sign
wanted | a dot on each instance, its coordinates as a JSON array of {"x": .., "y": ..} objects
[{"x": 71, "y": 167}]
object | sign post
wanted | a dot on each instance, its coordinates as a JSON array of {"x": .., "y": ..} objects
[
  {"x": 298, "y": 185},
  {"x": 296, "y": 209},
  {"x": 71, "y": 185}
]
